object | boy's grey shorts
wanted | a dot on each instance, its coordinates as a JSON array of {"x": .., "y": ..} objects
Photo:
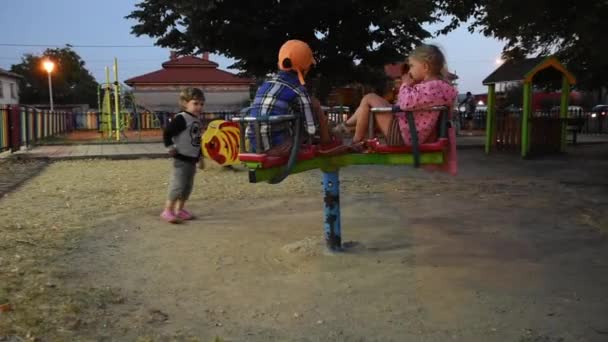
[{"x": 182, "y": 180}]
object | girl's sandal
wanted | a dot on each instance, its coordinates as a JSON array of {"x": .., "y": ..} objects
[
  {"x": 343, "y": 130},
  {"x": 358, "y": 147}
]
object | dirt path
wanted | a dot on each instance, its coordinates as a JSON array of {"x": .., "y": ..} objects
[
  {"x": 501, "y": 253},
  {"x": 13, "y": 172}
]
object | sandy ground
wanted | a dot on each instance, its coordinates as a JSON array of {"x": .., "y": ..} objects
[
  {"x": 13, "y": 172},
  {"x": 510, "y": 250},
  {"x": 93, "y": 136}
]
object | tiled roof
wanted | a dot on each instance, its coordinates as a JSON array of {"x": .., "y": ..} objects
[
  {"x": 9, "y": 74},
  {"x": 189, "y": 62},
  {"x": 189, "y": 70}
]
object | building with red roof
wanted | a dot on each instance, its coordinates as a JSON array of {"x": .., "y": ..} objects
[{"x": 159, "y": 90}]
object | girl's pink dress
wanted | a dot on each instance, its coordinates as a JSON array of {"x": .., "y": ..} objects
[{"x": 425, "y": 95}]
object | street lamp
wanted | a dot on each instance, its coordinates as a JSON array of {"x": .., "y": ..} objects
[{"x": 49, "y": 66}]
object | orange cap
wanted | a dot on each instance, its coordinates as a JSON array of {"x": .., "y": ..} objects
[{"x": 300, "y": 55}]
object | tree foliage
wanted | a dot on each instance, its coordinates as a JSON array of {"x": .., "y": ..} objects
[
  {"x": 572, "y": 30},
  {"x": 353, "y": 39},
  {"x": 72, "y": 82},
  {"x": 349, "y": 38}
]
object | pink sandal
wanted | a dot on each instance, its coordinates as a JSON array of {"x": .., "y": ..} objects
[
  {"x": 185, "y": 215},
  {"x": 169, "y": 216}
]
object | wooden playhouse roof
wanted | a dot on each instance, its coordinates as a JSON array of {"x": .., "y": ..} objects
[{"x": 525, "y": 69}]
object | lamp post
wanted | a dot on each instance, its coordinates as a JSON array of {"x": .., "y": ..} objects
[{"x": 49, "y": 66}]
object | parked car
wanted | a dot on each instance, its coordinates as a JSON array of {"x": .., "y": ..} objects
[{"x": 599, "y": 111}]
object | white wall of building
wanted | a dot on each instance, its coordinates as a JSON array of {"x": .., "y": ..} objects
[
  {"x": 216, "y": 99},
  {"x": 6, "y": 95}
]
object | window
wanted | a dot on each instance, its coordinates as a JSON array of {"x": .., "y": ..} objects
[
  {"x": 13, "y": 93},
  {"x": 1, "y": 90}
]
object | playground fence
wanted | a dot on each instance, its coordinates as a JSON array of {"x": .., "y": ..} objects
[{"x": 22, "y": 126}]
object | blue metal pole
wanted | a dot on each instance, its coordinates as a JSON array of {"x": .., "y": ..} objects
[{"x": 331, "y": 193}]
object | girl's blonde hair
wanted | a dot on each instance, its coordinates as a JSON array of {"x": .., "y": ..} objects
[
  {"x": 189, "y": 94},
  {"x": 432, "y": 55}
]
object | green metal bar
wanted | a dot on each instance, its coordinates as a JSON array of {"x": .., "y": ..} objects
[
  {"x": 330, "y": 164},
  {"x": 490, "y": 127},
  {"x": 108, "y": 103},
  {"x": 563, "y": 110},
  {"x": 525, "y": 124},
  {"x": 99, "y": 97},
  {"x": 116, "y": 99},
  {"x": 137, "y": 114}
]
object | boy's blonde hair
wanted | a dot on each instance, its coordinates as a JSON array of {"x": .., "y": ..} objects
[
  {"x": 432, "y": 55},
  {"x": 189, "y": 94}
]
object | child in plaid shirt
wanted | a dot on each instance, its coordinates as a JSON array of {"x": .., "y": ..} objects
[{"x": 285, "y": 94}]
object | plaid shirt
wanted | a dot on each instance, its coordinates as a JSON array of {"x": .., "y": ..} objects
[{"x": 281, "y": 95}]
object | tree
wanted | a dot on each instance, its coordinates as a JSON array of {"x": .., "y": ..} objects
[
  {"x": 349, "y": 37},
  {"x": 72, "y": 82},
  {"x": 513, "y": 96},
  {"x": 128, "y": 98},
  {"x": 571, "y": 29}
]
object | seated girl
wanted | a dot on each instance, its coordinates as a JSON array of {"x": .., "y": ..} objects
[{"x": 424, "y": 86}]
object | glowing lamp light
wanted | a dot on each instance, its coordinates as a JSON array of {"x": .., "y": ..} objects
[{"x": 48, "y": 66}]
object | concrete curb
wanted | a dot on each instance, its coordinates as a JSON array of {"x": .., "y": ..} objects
[{"x": 100, "y": 156}]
